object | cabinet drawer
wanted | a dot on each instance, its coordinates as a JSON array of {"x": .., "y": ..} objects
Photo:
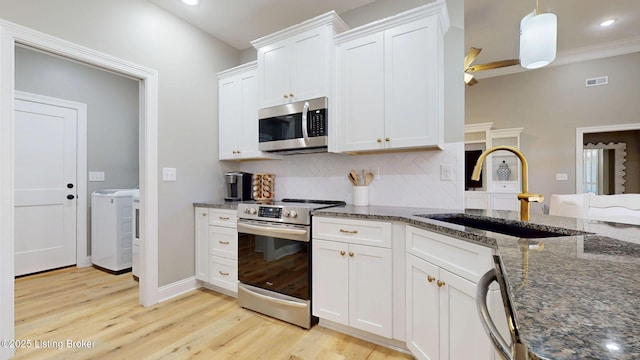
[
  {"x": 223, "y": 241},
  {"x": 223, "y": 217},
  {"x": 363, "y": 232},
  {"x": 506, "y": 186},
  {"x": 465, "y": 259},
  {"x": 223, "y": 273}
]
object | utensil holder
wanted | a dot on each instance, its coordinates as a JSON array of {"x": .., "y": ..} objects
[{"x": 360, "y": 195}]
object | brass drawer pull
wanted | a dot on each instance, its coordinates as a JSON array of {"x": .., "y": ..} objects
[
  {"x": 351, "y": 253},
  {"x": 342, "y": 253},
  {"x": 223, "y": 242},
  {"x": 440, "y": 283},
  {"x": 430, "y": 278},
  {"x": 348, "y": 231},
  {"x": 223, "y": 273},
  {"x": 223, "y": 217}
]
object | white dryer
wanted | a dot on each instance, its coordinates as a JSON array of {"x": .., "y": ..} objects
[{"x": 111, "y": 229}]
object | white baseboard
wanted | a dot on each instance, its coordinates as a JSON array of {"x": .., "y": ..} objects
[{"x": 177, "y": 288}]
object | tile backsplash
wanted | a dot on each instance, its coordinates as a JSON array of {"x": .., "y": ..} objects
[{"x": 405, "y": 179}]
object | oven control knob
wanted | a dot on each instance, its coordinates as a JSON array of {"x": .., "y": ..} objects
[
  {"x": 291, "y": 214},
  {"x": 251, "y": 211}
]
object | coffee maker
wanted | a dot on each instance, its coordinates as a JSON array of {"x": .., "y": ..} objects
[{"x": 237, "y": 186}]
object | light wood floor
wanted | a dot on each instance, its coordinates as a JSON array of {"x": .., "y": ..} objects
[{"x": 102, "y": 310}]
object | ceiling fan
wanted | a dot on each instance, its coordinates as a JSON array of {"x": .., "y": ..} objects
[{"x": 471, "y": 57}]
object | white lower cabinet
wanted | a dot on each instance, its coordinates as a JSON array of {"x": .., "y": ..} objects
[
  {"x": 442, "y": 318},
  {"x": 216, "y": 238},
  {"x": 352, "y": 283}
]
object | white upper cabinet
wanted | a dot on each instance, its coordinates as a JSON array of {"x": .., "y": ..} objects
[
  {"x": 296, "y": 63},
  {"x": 390, "y": 90},
  {"x": 238, "y": 114}
]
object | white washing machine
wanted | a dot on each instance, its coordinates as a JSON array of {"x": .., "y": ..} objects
[
  {"x": 135, "y": 267},
  {"x": 112, "y": 229}
]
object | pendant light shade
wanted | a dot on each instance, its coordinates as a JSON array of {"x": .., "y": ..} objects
[{"x": 538, "y": 38}]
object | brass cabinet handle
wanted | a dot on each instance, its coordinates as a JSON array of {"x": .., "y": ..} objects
[
  {"x": 223, "y": 242},
  {"x": 204, "y": 214},
  {"x": 285, "y": 96},
  {"x": 223, "y": 217},
  {"x": 342, "y": 252},
  {"x": 379, "y": 140},
  {"x": 223, "y": 273},
  {"x": 290, "y": 94},
  {"x": 351, "y": 253},
  {"x": 348, "y": 231},
  {"x": 387, "y": 139},
  {"x": 440, "y": 283},
  {"x": 430, "y": 278}
]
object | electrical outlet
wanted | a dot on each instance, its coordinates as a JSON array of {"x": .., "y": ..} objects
[
  {"x": 169, "y": 174},
  {"x": 562, "y": 177},
  {"x": 96, "y": 175},
  {"x": 446, "y": 172}
]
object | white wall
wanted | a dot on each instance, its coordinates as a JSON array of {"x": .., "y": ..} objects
[
  {"x": 187, "y": 60},
  {"x": 112, "y": 114}
]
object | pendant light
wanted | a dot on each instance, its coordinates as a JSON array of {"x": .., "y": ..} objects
[{"x": 538, "y": 39}]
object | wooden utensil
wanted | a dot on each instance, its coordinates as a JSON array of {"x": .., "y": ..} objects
[
  {"x": 352, "y": 179},
  {"x": 368, "y": 178},
  {"x": 355, "y": 177}
]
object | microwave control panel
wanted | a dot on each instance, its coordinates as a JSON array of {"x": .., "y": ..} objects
[{"x": 317, "y": 122}]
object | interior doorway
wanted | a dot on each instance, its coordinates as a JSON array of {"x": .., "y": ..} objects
[
  {"x": 12, "y": 35},
  {"x": 590, "y": 168}
]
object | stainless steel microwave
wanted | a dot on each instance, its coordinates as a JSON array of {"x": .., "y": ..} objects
[{"x": 299, "y": 127}]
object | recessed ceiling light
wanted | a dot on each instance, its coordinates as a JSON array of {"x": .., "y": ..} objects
[
  {"x": 607, "y": 22},
  {"x": 191, "y": 2}
]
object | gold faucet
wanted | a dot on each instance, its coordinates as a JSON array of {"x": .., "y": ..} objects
[{"x": 525, "y": 197}]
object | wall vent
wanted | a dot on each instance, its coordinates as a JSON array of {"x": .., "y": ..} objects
[{"x": 597, "y": 81}]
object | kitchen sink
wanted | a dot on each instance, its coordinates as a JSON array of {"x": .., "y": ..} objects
[{"x": 507, "y": 227}]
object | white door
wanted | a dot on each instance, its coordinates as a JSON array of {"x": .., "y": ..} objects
[{"x": 45, "y": 186}]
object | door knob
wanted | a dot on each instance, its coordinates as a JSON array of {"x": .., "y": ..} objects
[{"x": 70, "y": 197}]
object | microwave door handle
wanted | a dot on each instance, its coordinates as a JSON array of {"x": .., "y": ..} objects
[{"x": 305, "y": 133}]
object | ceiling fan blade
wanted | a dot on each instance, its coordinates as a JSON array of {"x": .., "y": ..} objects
[
  {"x": 471, "y": 56},
  {"x": 469, "y": 80},
  {"x": 493, "y": 65}
]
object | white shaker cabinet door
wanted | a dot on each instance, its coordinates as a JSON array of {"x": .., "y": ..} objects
[
  {"x": 423, "y": 309},
  {"x": 412, "y": 82},
  {"x": 230, "y": 125},
  {"x": 361, "y": 92},
  {"x": 202, "y": 243},
  {"x": 370, "y": 289},
  {"x": 461, "y": 332},
  {"x": 330, "y": 281}
]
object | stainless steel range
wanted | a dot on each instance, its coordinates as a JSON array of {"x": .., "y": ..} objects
[{"x": 274, "y": 258}]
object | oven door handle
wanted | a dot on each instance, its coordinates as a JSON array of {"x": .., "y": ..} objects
[
  {"x": 270, "y": 229},
  {"x": 305, "y": 132}
]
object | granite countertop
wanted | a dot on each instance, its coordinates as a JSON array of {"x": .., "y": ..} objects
[
  {"x": 579, "y": 298},
  {"x": 231, "y": 205}
]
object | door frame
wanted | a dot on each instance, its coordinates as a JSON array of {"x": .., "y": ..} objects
[
  {"x": 580, "y": 140},
  {"x": 82, "y": 259},
  {"x": 11, "y": 35}
]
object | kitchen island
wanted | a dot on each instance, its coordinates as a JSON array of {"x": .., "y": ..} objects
[{"x": 574, "y": 296}]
